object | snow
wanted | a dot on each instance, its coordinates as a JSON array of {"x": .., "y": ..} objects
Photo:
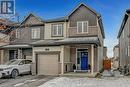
[{"x": 87, "y": 82}]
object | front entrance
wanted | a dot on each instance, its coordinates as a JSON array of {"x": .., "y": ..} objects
[{"x": 82, "y": 59}]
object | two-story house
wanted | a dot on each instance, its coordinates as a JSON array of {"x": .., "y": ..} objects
[
  {"x": 31, "y": 29},
  {"x": 71, "y": 43},
  {"x": 124, "y": 41}
]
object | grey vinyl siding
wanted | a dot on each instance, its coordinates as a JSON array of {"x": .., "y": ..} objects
[
  {"x": 25, "y": 32},
  {"x": 82, "y": 14},
  {"x": 32, "y": 20},
  {"x": 123, "y": 45},
  {"x": 25, "y": 35}
]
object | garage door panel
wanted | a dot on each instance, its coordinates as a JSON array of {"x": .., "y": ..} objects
[{"x": 47, "y": 64}]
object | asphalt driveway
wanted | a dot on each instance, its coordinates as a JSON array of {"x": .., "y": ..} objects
[{"x": 25, "y": 81}]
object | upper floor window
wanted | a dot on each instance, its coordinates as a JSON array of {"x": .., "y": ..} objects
[
  {"x": 57, "y": 29},
  {"x": 35, "y": 33},
  {"x": 17, "y": 34},
  {"x": 82, "y": 27}
]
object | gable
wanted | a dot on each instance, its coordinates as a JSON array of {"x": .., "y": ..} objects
[
  {"x": 32, "y": 20},
  {"x": 82, "y": 13}
]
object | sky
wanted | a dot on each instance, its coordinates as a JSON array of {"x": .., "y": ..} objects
[{"x": 112, "y": 12}]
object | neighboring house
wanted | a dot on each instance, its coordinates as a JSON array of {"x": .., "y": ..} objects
[
  {"x": 116, "y": 56},
  {"x": 4, "y": 40},
  {"x": 74, "y": 42},
  {"x": 104, "y": 52},
  {"x": 116, "y": 52},
  {"x": 6, "y": 27},
  {"x": 28, "y": 31},
  {"x": 124, "y": 41}
]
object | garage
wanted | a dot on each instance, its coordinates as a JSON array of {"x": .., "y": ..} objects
[{"x": 47, "y": 64}]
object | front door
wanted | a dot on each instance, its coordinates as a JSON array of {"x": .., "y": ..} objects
[{"x": 84, "y": 61}]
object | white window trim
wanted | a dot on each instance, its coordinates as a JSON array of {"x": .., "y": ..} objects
[
  {"x": 32, "y": 37},
  {"x": 57, "y": 30},
  {"x": 82, "y": 27},
  {"x": 17, "y": 33}
]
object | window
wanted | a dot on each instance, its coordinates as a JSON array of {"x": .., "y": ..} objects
[
  {"x": 57, "y": 29},
  {"x": 35, "y": 33},
  {"x": 82, "y": 27},
  {"x": 28, "y": 61},
  {"x": 22, "y": 62},
  {"x": 17, "y": 33}
]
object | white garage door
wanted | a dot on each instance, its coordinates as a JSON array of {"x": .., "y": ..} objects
[{"x": 47, "y": 64}]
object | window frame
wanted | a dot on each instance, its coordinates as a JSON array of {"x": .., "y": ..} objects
[
  {"x": 17, "y": 33},
  {"x": 82, "y": 31},
  {"x": 32, "y": 33},
  {"x": 57, "y": 30}
]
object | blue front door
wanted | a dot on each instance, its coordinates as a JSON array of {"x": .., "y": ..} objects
[{"x": 84, "y": 61}]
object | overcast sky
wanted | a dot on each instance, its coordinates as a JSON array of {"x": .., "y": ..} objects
[{"x": 112, "y": 12}]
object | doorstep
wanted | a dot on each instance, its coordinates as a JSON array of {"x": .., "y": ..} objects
[{"x": 78, "y": 74}]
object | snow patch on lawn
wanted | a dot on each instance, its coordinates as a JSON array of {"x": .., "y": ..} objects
[{"x": 87, "y": 82}]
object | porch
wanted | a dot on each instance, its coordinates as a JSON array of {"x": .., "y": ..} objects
[
  {"x": 16, "y": 52},
  {"x": 82, "y": 59}
]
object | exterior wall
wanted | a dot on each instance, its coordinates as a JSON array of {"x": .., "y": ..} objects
[
  {"x": 4, "y": 40},
  {"x": 73, "y": 55},
  {"x": 83, "y": 14},
  {"x": 64, "y": 54},
  {"x": 25, "y": 35},
  {"x": 48, "y": 31},
  {"x": 25, "y": 32},
  {"x": 100, "y": 57},
  {"x": 92, "y": 31},
  {"x": 123, "y": 44},
  {"x": 104, "y": 52},
  {"x": 67, "y": 62},
  {"x": 27, "y": 53},
  {"x": 32, "y": 20},
  {"x": 116, "y": 52}
]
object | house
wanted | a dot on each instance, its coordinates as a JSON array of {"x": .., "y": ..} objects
[
  {"x": 71, "y": 43},
  {"x": 104, "y": 52},
  {"x": 124, "y": 40},
  {"x": 28, "y": 31},
  {"x": 116, "y": 56},
  {"x": 6, "y": 27},
  {"x": 4, "y": 40}
]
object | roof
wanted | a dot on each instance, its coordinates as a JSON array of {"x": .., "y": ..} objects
[
  {"x": 62, "y": 19},
  {"x": 57, "y": 19},
  {"x": 92, "y": 10},
  {"x": 31, "y": 14},
  {"x": 66, "y": 41},
  {"x": 16, "y": 46},
  {"x": 44, "y": 42},
  {"x": 80, "y": 40},
  {"x": 123, "y": 22}
]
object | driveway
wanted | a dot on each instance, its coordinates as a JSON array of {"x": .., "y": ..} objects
[
  {"x": 25, "y": 81},
  {"x": 88, "y": 82}
]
